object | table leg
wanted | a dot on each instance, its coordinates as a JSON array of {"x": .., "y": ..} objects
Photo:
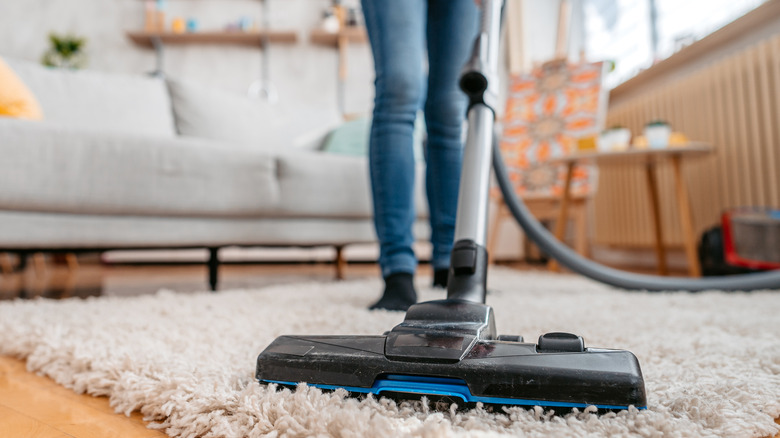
[
  {"x": 6, "y": 266},
  {"x": 39, "y": 262},
  {"x": 686, "y": 218},
  {"x": 341, "y": 263},
  {"x": 501, "y": 213},
  {"x": 655, "y": 209},
  {"x": 581, "y": 219},
  {"x": 560, "y": 224},
  {"x": 72, "y": 261}
]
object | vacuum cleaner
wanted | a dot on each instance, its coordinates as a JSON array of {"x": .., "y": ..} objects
[{"x": 450, "y": 349}]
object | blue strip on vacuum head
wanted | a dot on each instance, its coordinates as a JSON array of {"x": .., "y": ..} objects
[{"x": 446, "y": 387}]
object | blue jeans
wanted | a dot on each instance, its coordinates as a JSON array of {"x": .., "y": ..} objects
[{"x": 402, "y": 32}]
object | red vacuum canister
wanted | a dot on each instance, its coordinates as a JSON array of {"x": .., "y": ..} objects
[{"x": 751, "y": 238}]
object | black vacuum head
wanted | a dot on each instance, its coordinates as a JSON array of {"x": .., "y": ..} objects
[{"x": 449, "y": 349}]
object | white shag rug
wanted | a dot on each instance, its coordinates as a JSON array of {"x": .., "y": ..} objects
[{"x": 711, "y": 361}]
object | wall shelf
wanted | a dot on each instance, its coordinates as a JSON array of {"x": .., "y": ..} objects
[
  {"x": 354, "y": 35},
  {"x": 157, "y": 36},
  {"x": 251, "y": 39}
]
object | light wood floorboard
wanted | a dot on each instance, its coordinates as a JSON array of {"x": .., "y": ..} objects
[{"x": 36, "y": 406}]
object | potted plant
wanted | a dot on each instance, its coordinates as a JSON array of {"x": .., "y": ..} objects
[
  {"x": 658, "y": 133},
  {"x": 616, "y": 138},
  {"x": 66, "y": 51}
]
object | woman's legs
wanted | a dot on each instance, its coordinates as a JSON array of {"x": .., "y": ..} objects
[
  {"x": 451, "y": 30},
  {"x": 396, "y": 30}
]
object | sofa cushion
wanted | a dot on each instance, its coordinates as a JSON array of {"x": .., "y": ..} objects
[
  {"x": 49, "y": 168},
  {"x": 225, "y": 116},
  {"x": 94, "y": 101},
  {"x": 352, "y": 137},
  {"x": 219, "y": 115},
  {"x": 45, "y": 230},
  {"x": 16, "y": 100},
  {"x": 330, "y": 185}
]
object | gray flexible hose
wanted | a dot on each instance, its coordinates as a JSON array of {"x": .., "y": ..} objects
[{"x": 614, "y": 277}]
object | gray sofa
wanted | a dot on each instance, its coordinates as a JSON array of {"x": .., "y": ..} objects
[{"x": 126, "y": 161}]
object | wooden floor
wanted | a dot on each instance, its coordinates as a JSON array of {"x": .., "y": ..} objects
[{"x": 36, "y": 407}]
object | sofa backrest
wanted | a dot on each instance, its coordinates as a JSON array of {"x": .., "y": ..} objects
[
  {"x": 94, "y": 101},
  {"x": 220, "y": 115},
  {"x": 233, "y": 117}
]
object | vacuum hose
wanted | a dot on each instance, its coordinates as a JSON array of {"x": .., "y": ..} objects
[{"x": 614, "y": 277}]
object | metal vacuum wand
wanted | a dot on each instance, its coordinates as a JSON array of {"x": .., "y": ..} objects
[{"x": 468, "y": 266}]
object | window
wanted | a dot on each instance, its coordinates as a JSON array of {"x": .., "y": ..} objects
[{"x": 634, "y": 33}]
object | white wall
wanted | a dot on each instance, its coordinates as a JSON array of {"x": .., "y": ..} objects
[
  {"x": 540, "y": 30},
  {"x": 303, "y": 74}
]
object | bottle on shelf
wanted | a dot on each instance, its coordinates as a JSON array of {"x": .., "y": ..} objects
[
  {"x": 150, "y": 16},
  {"x": 178, "y": 25},
  {"x": 352, "y": 17},
  {"x": 192, "y": 25},
  {"x": 161, "y": 15},
  {"x": 330, "y": 23}
]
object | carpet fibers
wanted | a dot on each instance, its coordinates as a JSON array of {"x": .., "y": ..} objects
[{"x": 711, "y": 361}]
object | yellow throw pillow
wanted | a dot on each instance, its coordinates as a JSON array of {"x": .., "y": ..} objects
[{"x": 16, "y": 100}]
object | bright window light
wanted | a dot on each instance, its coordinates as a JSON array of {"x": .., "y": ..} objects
[{"x": 623, "y": 30}]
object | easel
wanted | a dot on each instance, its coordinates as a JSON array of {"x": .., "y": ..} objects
[{"x": 557, "y": 208}]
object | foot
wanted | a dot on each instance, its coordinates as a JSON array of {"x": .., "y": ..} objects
[
  {"x": 399, "y": 293},
  {"x": 440, "y": 278}
]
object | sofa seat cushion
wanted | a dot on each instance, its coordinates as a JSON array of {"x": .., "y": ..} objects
[
  {"x": 55, "y": 169},
  {"x": 94, "y": 101},
  {"x": 322, "y": 184},
  {"x": 59, "y": 170},
  {"x": 29, "y": 230}
]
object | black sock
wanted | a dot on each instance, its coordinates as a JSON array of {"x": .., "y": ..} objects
[
  {"x": 440, "y": 277},
  {"x": 399, "y": 292}
]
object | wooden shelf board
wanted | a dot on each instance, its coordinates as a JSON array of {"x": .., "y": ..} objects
[
  {"x": 355, "y": 35},
  {"x": 253, "y": 39}
]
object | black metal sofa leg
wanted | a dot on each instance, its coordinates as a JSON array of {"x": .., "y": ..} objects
[
  {"x": 23, "y": 259},
  {"x": 213, "y": 268}
]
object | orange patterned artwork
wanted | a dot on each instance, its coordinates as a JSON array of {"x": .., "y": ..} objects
[{"x": 546, "y": 112}]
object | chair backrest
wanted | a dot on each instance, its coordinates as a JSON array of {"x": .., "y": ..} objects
[{"x": 547, "y": 111}]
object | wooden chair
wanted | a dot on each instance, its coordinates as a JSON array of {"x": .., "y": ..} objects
[{"x": 544, "y": 209}]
